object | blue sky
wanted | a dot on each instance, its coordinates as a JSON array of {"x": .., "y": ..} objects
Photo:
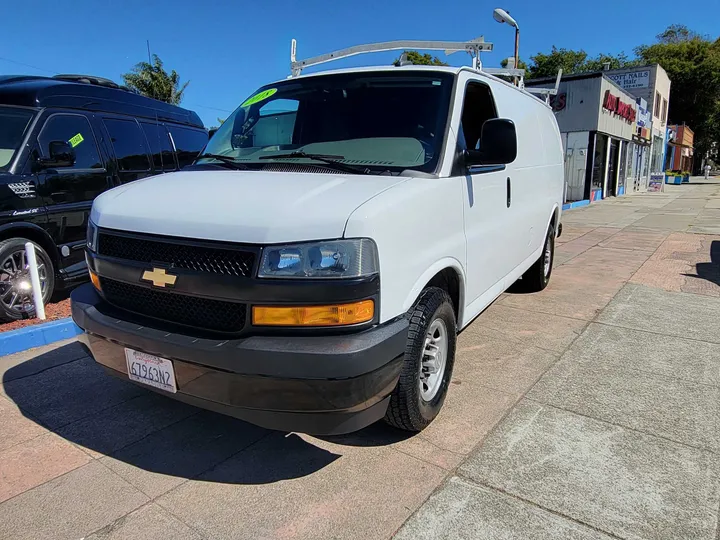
[{"x": 227, "y": 49}]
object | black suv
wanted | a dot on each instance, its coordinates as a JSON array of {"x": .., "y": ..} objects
[{"x": 63, "y": 141}]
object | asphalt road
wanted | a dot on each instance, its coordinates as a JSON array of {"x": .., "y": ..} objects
[{"x": 590, "y": 410}]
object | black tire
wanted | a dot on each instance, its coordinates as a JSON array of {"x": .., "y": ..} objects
[
  {"x": 13, "y": 245},
  {"x": 536, "y": 278},
  {"x": 408, "y": 410}
]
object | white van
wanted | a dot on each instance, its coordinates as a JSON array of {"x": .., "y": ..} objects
[{"x": 312, "y": 270}]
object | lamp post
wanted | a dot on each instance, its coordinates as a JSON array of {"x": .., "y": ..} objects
[{"x": 502, "y": 16}]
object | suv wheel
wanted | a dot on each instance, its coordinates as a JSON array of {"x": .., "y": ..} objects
[
  {"x": 429, "y": 358},
  {"x": 16, "y": 300}
]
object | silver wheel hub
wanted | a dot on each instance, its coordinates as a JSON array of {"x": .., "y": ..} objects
[
  {"x": 547, "y": 258},
  {"x": 15, "y": 284},
  {"x": 434, "y": 359}
]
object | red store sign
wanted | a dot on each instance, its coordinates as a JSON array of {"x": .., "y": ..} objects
[{"x": 625, "y": 110}]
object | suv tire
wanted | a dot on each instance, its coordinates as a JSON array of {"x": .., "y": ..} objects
[
  {"x": 13, "y": 263},
  {"x": 427, "y": 367}
]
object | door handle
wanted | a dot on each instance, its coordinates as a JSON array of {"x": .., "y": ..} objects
[{"x": 509, "y": 193}]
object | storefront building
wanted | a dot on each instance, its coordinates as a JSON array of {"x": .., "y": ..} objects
[
  {"x": 598, "y": 121},
  {"x": 651, "y": 86},
  {"x": 680, "y": 152}
]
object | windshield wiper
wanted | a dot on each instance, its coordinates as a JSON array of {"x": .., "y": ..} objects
[
  {"x": 228, "y": 160},
  {"x": 331, "y": 160}
]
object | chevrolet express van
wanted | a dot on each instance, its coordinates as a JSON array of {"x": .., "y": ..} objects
[
  {"x": 312, "y": 270},
  {"x": 63, "y": 141}
]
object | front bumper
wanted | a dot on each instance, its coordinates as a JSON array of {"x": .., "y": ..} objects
[{"x": 314, "y": 384}]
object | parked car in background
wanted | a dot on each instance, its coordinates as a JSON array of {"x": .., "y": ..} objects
[{"x": 63, "y": 141}]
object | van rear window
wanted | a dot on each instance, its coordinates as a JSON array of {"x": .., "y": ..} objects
[{"x": 188, "y": 143}]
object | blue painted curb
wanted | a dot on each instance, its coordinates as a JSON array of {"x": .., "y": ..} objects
[
  {"x": 576, "y": 204},
  {"x": 37, "y": 335}
]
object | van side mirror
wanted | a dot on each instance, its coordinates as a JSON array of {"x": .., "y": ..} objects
[
  {"x": 61, "y": 155},
  {"x": 498, "y": 144}
]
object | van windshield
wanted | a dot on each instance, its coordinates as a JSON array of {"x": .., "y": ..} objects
[
  {"x": 375, "y": 121},
  {"x": 13, "y": 123}
]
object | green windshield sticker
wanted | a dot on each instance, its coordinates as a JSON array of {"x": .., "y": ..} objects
[
  {"x": 259, "y": 97},
  {"x": 77, "y": 139}
]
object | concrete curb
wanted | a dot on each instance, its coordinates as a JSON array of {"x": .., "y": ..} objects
[
  {"x": 576, "y": 204},
  {"x": 37, "y": 335}
]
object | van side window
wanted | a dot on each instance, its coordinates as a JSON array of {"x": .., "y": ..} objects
[
  {"x": 160, "y": 147},
  {"x": 188, "y": 143},
  {"x": 477, "y": 108},
  {"x": 75, "y": 130},
  {"x": 129, "y": 144}
]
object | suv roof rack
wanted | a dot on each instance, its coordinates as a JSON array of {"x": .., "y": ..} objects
[
  {"x": 90, "y": 79},
  {"x": 472, "y": 47}
]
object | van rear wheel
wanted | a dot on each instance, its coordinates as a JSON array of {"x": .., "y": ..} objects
[
  {"x": 16, "y": 300},
  {"x": 538, "y": 275},
  {"x": 429, "y": 358}
]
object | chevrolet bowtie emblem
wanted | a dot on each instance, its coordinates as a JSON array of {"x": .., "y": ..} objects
[{"x": 159, "y": 277}]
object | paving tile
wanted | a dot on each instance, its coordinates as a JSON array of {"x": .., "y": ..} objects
[
  {"x": 662, "y": 405},
  {"x": 615, "y": 347},
  {"x": 69, "y": 392},
  {"x": 150, "y": 522},
  {"x": 15, "y": 427},
  {"x": 635, "y": 240},
  {"x": 123, "y": 424},
  {"x": 285, "y": 487},
  {"x": 70, "y": 506},
  {"x": 167, "y": 457},
  {"x": 465, "y": 510},
  {"x": 381, "y": 434},
  {"x": 34, "y": 462},
  {"x": 30, "y": 362},
  {"x": 622, "y": 482},
  {"x": 546, "y": 331},
  {"x": 485, "y": 357},
  {"x": 669, "y": 313}
]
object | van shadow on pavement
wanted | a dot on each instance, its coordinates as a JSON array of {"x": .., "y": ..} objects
[{"x": 69, "y": 394}]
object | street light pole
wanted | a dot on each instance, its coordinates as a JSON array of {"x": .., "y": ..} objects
[{"x": 502, "y": 16}]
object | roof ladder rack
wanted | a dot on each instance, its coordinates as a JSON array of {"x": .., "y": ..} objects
[
  {"x": 473, "y": 47},
  {"x": 547, "y": 92}
]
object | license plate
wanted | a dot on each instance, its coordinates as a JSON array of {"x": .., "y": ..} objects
[{"x": 151, "y": 370}]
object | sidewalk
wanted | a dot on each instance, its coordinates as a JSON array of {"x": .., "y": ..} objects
[
  {"x": 620, "y": 438},
  {"x": 590, "y": 410}
]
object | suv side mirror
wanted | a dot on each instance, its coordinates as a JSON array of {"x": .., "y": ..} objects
[
  {"x": 61, "y": 155},
  {"x": 498, "y": 144}
]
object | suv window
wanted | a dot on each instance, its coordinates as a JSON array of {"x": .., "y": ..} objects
[
  {"x": 75, "y": 130},
  {"x": 160, "y": 146},
  {"x": 129, "y": 144},
  {"x": 188, "y": 144},
  {"x": 477, "y": 108},
  {"x": 13, "y": 123}
]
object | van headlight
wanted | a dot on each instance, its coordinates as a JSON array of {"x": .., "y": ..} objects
[
  {"x": 350, "y": 258},
  {"x": 92, "y": 236}
]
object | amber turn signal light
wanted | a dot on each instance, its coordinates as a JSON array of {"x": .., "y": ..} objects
[
  {"x": 95, "y": 280},
  {"x": 333, "y": 315}
]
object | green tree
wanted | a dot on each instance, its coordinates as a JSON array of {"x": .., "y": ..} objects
[
  {"x": 419, "y": 59},
  {"x": 547, "y": 65},
  {"x": 153, "y": 81},
  {"x": 692, "y": 62}
]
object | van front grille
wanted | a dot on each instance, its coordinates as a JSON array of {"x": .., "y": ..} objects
[
  {"x": 201, "y": 258},
  {"x": 213, "y": 315}
]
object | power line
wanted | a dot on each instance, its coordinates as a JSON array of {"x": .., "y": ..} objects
[
  {"x": 27, "y": 65},
  {"x": 206, "y": 107}
]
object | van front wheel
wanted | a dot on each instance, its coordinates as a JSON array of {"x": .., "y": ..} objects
[{"x": 427, "y": 368}]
